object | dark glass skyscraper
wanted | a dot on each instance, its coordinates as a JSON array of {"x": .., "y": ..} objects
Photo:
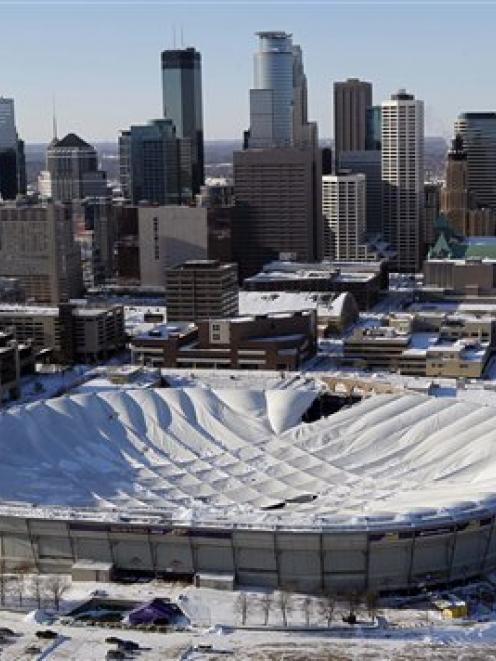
[
  {"x": 12, "y": 160},
  {"x": 182, "y": 99},
  {"x": 373, "y": 137}
]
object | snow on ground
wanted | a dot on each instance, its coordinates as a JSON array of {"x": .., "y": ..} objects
[
  {"x": 245, "y": 379},
  {"x": 414, "y": 632},
  {"x": 36, "y": 387}
]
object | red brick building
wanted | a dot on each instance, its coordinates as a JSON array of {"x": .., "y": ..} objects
[{"x": 278, "y": 341}]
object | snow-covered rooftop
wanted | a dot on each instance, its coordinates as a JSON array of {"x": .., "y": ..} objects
[
  {"x": 326, "y": 304},
  {"x": 243, "y": 458}
]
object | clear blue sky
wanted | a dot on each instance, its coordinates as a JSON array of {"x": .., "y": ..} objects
[{"x": 102, "y": 58}]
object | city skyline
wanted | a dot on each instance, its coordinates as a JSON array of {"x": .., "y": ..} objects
[{"x": 109, "y": 75}]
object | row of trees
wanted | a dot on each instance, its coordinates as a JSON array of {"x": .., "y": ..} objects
[
  {"x": 284, "y": 603},
  {"x": 22, "y": 587}
]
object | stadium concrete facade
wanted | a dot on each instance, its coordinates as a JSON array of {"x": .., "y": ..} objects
[{"x": 393, "y": 493}]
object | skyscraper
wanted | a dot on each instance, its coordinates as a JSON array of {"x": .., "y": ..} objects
[
  {"x": 304, "y": 132},
  {"x": 277, "y": 208},
  {"x": 38, "y": 248},
  {"x": 344, "y": 209},
  {"x": 8, "y": 133},
  {"x": 454, "y": 195},
  {"x": 460, "y": 206},
  {"x": 73, "y": 167},
  {"x": 403, "y": 177},
  {"x": 12, "y": 159},
  {"x": 149, "y": 163},
  {"x": 373, "y": 135},
  {"x": 271, "y": 98},
  {"x": 352, "y": 98},
  {"x": 368, "y": 163},
  {"x": 277, "y": 178},
  {"x": 478, "y": 132},
  {"x": 278, "y": 99},
  {"x": 182, "y": 103}
]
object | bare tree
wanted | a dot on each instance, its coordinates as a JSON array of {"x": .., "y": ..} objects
[
  {"x": 37, "y": 586},
  {"x": 265, "y": 603},
  {"x": 354, "y": 600},
  {"x": 19, "y": 582},
  {"x": 283, "y": 600},
  {"x": 241, "y": 606},
  {"x": 307, "y": 608},
  {"x": 326, "y": 607},
  {"x": 18, "y": 586},
  {"x": 372, "y": 603},
  {"x": 56, "y": 586},
  {"x": 3, "y": 582}
]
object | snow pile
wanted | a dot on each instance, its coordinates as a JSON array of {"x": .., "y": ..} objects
[{"x": 39, "y": 616}]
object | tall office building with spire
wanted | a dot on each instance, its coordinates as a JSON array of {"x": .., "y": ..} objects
[
  {"x": 460, "y": 206},
  {"x": 72, "y": 165},
  {"x": 278, "y": 99},
  {"x": 182, "y": 103},
  {"x": 403, "y": 177},
  {"x": 277, "y": 177}
]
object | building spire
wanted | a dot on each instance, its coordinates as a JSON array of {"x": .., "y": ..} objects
[{"x": 54, "y": 119}]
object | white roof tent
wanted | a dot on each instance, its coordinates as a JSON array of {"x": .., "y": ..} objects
[{"x": 244, "y": 458}]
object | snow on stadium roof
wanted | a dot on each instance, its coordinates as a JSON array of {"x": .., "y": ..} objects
[{"x": 243, "y": 458}]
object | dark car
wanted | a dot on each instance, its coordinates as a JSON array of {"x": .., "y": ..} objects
[{"x": 47, "y": 634}]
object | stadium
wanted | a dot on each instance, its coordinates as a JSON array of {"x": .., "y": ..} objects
[{"x": 393, "y": 493}]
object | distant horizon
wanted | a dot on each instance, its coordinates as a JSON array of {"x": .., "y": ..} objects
[
  {"x": 101, "y": 60},
  {"x": 206, "y": 141}
]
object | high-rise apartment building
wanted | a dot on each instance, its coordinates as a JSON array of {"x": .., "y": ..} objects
[
  {"x": 344, "y": 209},
  {"x": 182, "y": 103},
  {"x": 12, "y": 159},
  {"x": 352, "y": 99},
  {"x": 72, "y": 165},
  {"x": 202, "y": 289},
  {"x": 38, "y": 249},
  {"x": 403, "y": 177},
  {"x": 278, "y": 209},
  {"x": 478, "y": 132}
]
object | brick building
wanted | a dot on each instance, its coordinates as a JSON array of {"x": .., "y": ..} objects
[{"x": 278, "y": 341}]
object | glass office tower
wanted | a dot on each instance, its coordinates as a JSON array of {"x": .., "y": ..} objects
[
  {"x": 12, "y": 159},
  {"x": 182, "y": 103},
  {"x": 478, "y": 132}
]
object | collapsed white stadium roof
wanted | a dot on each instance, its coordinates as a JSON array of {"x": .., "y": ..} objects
[{"x": 243, "y": 457}]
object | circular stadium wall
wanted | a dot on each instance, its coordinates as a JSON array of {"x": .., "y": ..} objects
[{"x": 393, "y": 493}]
